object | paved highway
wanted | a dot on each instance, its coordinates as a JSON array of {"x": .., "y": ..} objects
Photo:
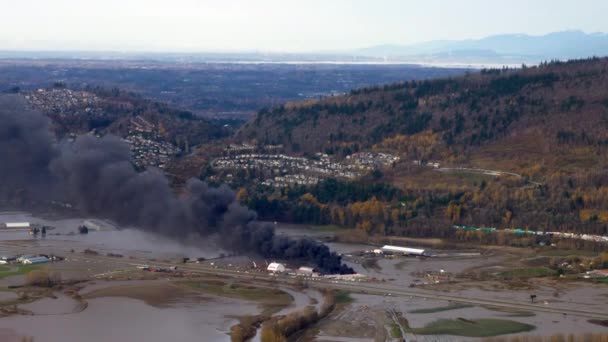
[
  {"x": 354, "y": 286},
  {"x": 369, "y": 287}
]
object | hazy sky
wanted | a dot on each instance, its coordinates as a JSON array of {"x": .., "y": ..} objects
[{"x": 279, "y": 25}]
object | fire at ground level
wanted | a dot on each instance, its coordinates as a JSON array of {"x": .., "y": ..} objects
[{"x": 383, "y": 307}]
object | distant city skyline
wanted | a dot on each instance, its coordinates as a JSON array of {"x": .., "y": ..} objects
[{"x": 279, "y": 25}]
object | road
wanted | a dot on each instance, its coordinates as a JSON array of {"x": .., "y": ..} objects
[
  {"x": 364, "y": 287},
  {"x": 494, "y": 173},
  {"x": 374, "y": 288}
]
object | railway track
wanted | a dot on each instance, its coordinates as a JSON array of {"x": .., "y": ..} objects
[{"x": 383, "y": 289}]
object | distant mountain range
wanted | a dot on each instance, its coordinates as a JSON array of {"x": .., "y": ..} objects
[{"x": 505, "y": 48}]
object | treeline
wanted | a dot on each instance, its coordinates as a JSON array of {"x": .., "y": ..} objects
[
  {"x": 312, "y": 205},
  {"x": 562, "y": 203},
  {"x": 281, "y": 328}
]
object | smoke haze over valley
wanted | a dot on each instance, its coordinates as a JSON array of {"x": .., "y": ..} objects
[
  {"x": 96, "y": 175},
  {"x": 283, "y": 170}
]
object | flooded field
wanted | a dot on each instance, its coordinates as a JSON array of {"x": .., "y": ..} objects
[
  {"x": 128, "y": 242},
  {"x": 150, "y": 306},
  {"x": 371, "y": 318},
  {"x": 152, "y": 310},
  {"x": 112, "y": 313},
  {"x": 124, "y": 319}
]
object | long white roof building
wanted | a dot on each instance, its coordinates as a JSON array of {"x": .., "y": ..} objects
[
  {"x": 17, "y": 225},
  {"x": 402, "y": 250}
]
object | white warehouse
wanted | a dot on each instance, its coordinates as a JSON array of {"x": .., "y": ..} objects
[
  {"x": 13, "y": 225},
  {"x": 275, "y": 267},
  {"x": 35, "y": 260},
  {"x": 402, "y": 250}
]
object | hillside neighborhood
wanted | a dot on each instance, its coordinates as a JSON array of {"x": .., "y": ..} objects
[{"x": 280, "y": 170}]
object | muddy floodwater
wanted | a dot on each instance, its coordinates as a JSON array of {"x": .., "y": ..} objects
[
  {"x": 124, "y": 319},
  {"x": 63, "y": 319},
  {"x": 112, "y": 314},
  {"x": 149, "y": 310},
  {"x": 129, "y": 242}
]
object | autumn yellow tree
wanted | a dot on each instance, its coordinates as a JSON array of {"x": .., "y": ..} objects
[
  {"x": 309, "y": 198},
  {"x": 454, "y": 211},
  {"x": 242, "y": 195}
]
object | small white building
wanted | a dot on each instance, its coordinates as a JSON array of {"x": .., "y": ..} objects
[
  {"x": 23, "y": 257},
  {"x": 402, "y": 250},
  {"x": 276, "y": 267},
  {"x": 305, "y": 271},
  {"x": 99, "y": 225}
]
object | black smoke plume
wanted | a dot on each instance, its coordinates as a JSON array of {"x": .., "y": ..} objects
[{"x": 96, "y": 175}]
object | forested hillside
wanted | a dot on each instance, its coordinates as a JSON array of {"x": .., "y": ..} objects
[
  {"x": 544, "y": 130},
  {"x": 562, "y": 103}
]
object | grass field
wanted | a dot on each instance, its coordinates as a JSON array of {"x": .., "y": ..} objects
[
  {"x": 511, "y": 312},
  {"x": 566, "y": 252},
  {"x": 455, "y": 306},
  {"x": 11, "y": 270},
  {"x": 396, "y": 331},
  {"x": 472, "y": 178},
  {"x": 529, "y": 272},
  {"x": 343, "y": 297},
  {"x": 325, "y": 228},
  {"x": 521, "y": 314},
  {"x": 473, "y": 328},
  {"x": 428, "y": 178}
]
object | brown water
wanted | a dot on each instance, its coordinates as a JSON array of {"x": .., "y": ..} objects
[
  {"x": 60, "y": 305},
  {"x": 546, "y": 323},
  {"x": 124, "y": 319},
  {"x": 129, "y": 242}
]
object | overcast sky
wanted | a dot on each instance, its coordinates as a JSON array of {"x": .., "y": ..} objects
[{"x": 279, "y": 25}]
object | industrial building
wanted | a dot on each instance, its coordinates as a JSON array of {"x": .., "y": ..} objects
[
  {"x": 8, "y": 258},
  {"x": 35, "y": 260},
  {"x": 402, "y": 250},
  {"x": 275, "y": 267},
  {"x": 16, "y": 225}
]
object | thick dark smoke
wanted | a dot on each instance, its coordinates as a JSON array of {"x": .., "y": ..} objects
[
  {"x": 22, "y": 155},
  {"x": 96, "y": 175}
]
